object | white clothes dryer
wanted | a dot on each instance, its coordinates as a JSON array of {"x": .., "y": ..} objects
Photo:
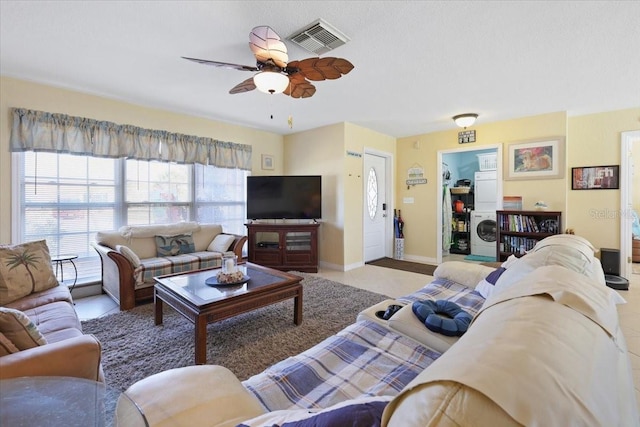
[
  {"x": 483, "y": 233},
  {"x": 485, "y": 191}
]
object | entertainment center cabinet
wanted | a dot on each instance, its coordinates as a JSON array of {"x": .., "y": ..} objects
[{"x": 284, "y": 246}]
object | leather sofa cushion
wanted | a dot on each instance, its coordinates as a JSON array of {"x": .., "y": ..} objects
[
  {"x": 54, "y": 317},
  {"x": 445, "y": 404},
  {"x": 62, "y": 335},
  {"x": 193, "y": 395},
  {"x": 37, "y": 299}
]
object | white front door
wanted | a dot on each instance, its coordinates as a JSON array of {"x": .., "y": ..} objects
[{"x": 375, "y": 207}]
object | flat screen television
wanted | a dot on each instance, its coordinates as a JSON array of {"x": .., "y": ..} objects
[{"x": 284, "y": 197}]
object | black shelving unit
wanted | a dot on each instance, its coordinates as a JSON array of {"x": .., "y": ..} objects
[{"x": 461, "y": 224}]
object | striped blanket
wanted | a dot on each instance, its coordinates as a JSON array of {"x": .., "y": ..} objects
[
  {"x": 364, "y": 359},
  {"x": 470, "y": 300}
]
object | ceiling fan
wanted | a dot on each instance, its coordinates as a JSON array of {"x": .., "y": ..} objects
[{"x": 275, "y": 73}]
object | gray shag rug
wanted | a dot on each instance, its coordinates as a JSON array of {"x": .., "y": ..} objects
[{"x": 134, "y": 348}]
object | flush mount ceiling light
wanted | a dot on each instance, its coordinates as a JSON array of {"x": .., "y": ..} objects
[
  {"x": 465, "y": 120},
  {"x": 271, "y": 81}
]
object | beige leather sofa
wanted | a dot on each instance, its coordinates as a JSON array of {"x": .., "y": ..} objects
[
  {"x": 68, "y": 352},
  {"x": 545, "y": 349},
  {"x": 130, "y": 261}
]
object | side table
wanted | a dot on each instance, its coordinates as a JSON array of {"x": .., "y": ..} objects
[{"x": 59, "y": 260}]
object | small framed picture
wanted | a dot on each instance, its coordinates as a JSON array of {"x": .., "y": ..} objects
[
  {"x": 595, "y": 178},
  {"x": 267, "y": 162}
]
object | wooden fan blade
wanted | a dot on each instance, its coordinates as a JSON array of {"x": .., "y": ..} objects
[
  {"x": 245, "y": 86},
  {"x": 299, "y": 87},
  {"x": 222, "y": 64},
  {"x": 266, "y": 45},
  {"x": 318, "y": 69}
]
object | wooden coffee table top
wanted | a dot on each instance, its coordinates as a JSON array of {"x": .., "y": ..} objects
[{"x": 191, "y": 287}]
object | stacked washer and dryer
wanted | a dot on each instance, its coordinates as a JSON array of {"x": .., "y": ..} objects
[{"x": 483, "y": 217}]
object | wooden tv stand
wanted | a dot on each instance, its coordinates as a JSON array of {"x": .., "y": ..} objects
[{"x": 284, "y": 246}]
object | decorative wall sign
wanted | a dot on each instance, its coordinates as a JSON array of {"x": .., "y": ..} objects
[
  {"x": 415, "y": 175},
  {"x": 466, "y": 136},
  {"x": 353, "y": 154},
  {"x": 595, "y": 178}
]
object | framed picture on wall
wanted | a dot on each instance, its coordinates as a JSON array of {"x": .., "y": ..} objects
[
  {"x": 595, "y": 178},
  {"x": 267, "y": 162},
  {"x": 536, "y": 159}
]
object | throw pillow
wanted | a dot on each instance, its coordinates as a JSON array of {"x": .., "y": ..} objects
[
  {"x": 221, "y": 243},
  {"x": 175, "y": 245},
  {"x": 25, "y": 269},
  {"x": 129, "y": 254},
  {"x": 19, "y": 329},
  {"x": 362, "y": 412},
  {"x": 6, "y": 346},
  {"x": 464, "y": 273},
  {"x": 486, "y": 286}
]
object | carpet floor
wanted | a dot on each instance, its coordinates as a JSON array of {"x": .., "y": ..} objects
[
  {"x": 134, "y": 348},
  {"x": 414, "y": 267}
]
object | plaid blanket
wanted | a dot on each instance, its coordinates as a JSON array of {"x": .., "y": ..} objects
[
  {"x": 151, "y": 267},
  {"x": 468, "y": 299},
  {"x": 364, "y": 359}
]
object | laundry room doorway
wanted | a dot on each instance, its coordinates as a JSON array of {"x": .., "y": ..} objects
[{"x": 479, "y": 168}]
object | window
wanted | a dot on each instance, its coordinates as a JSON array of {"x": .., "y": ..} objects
[
  {"x": 220, "y": 195},
  {"x": 157, "y": 192},
  {"x": 66, "y": 199}
]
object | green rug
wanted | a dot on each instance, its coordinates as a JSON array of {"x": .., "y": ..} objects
[{"x": 480, "y": 258}]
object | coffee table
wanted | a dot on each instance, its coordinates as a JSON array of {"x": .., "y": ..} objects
[{"x": 189, "y": 295}]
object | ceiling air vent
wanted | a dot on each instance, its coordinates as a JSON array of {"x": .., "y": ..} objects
[{"x": 318, "y": 37}]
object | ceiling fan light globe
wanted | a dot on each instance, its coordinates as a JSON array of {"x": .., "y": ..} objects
[{"x": 271, "y": 82}]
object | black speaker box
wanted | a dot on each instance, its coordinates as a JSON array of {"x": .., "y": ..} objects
[{"x": 610, "y": 259}]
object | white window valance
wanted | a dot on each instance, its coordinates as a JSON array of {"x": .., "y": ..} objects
[{"x": 60, "y": 133}]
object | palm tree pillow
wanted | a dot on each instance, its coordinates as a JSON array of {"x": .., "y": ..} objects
[{"x": 24, "y": 269}]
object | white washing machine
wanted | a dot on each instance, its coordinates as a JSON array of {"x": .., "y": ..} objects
[{"x": 483, "y": 233}]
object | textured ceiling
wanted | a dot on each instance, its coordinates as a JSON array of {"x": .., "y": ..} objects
[{"x": 417, "y": 63}]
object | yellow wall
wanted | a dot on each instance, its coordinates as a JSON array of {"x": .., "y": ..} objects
[
  {"x": 595, "y": 141},
  {"x": 421, "y": 216},
  {"x": 323, "y": 151},
  {"x": 18, "y": 93},
  {"x": 590, "y": 140},
  {"x": 319, "y": 152},
  {"x": 636, "y": 188}
]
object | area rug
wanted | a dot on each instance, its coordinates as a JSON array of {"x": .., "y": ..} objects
[
  {"x": 134, "y": 348},
  {"x": 414, "y": 267},
  {"x": 480, "y": 258}
]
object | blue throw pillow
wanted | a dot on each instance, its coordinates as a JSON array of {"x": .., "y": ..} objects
[
  {"x": 174, "y": 245},
  {"x": 361, "y": 412}
]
